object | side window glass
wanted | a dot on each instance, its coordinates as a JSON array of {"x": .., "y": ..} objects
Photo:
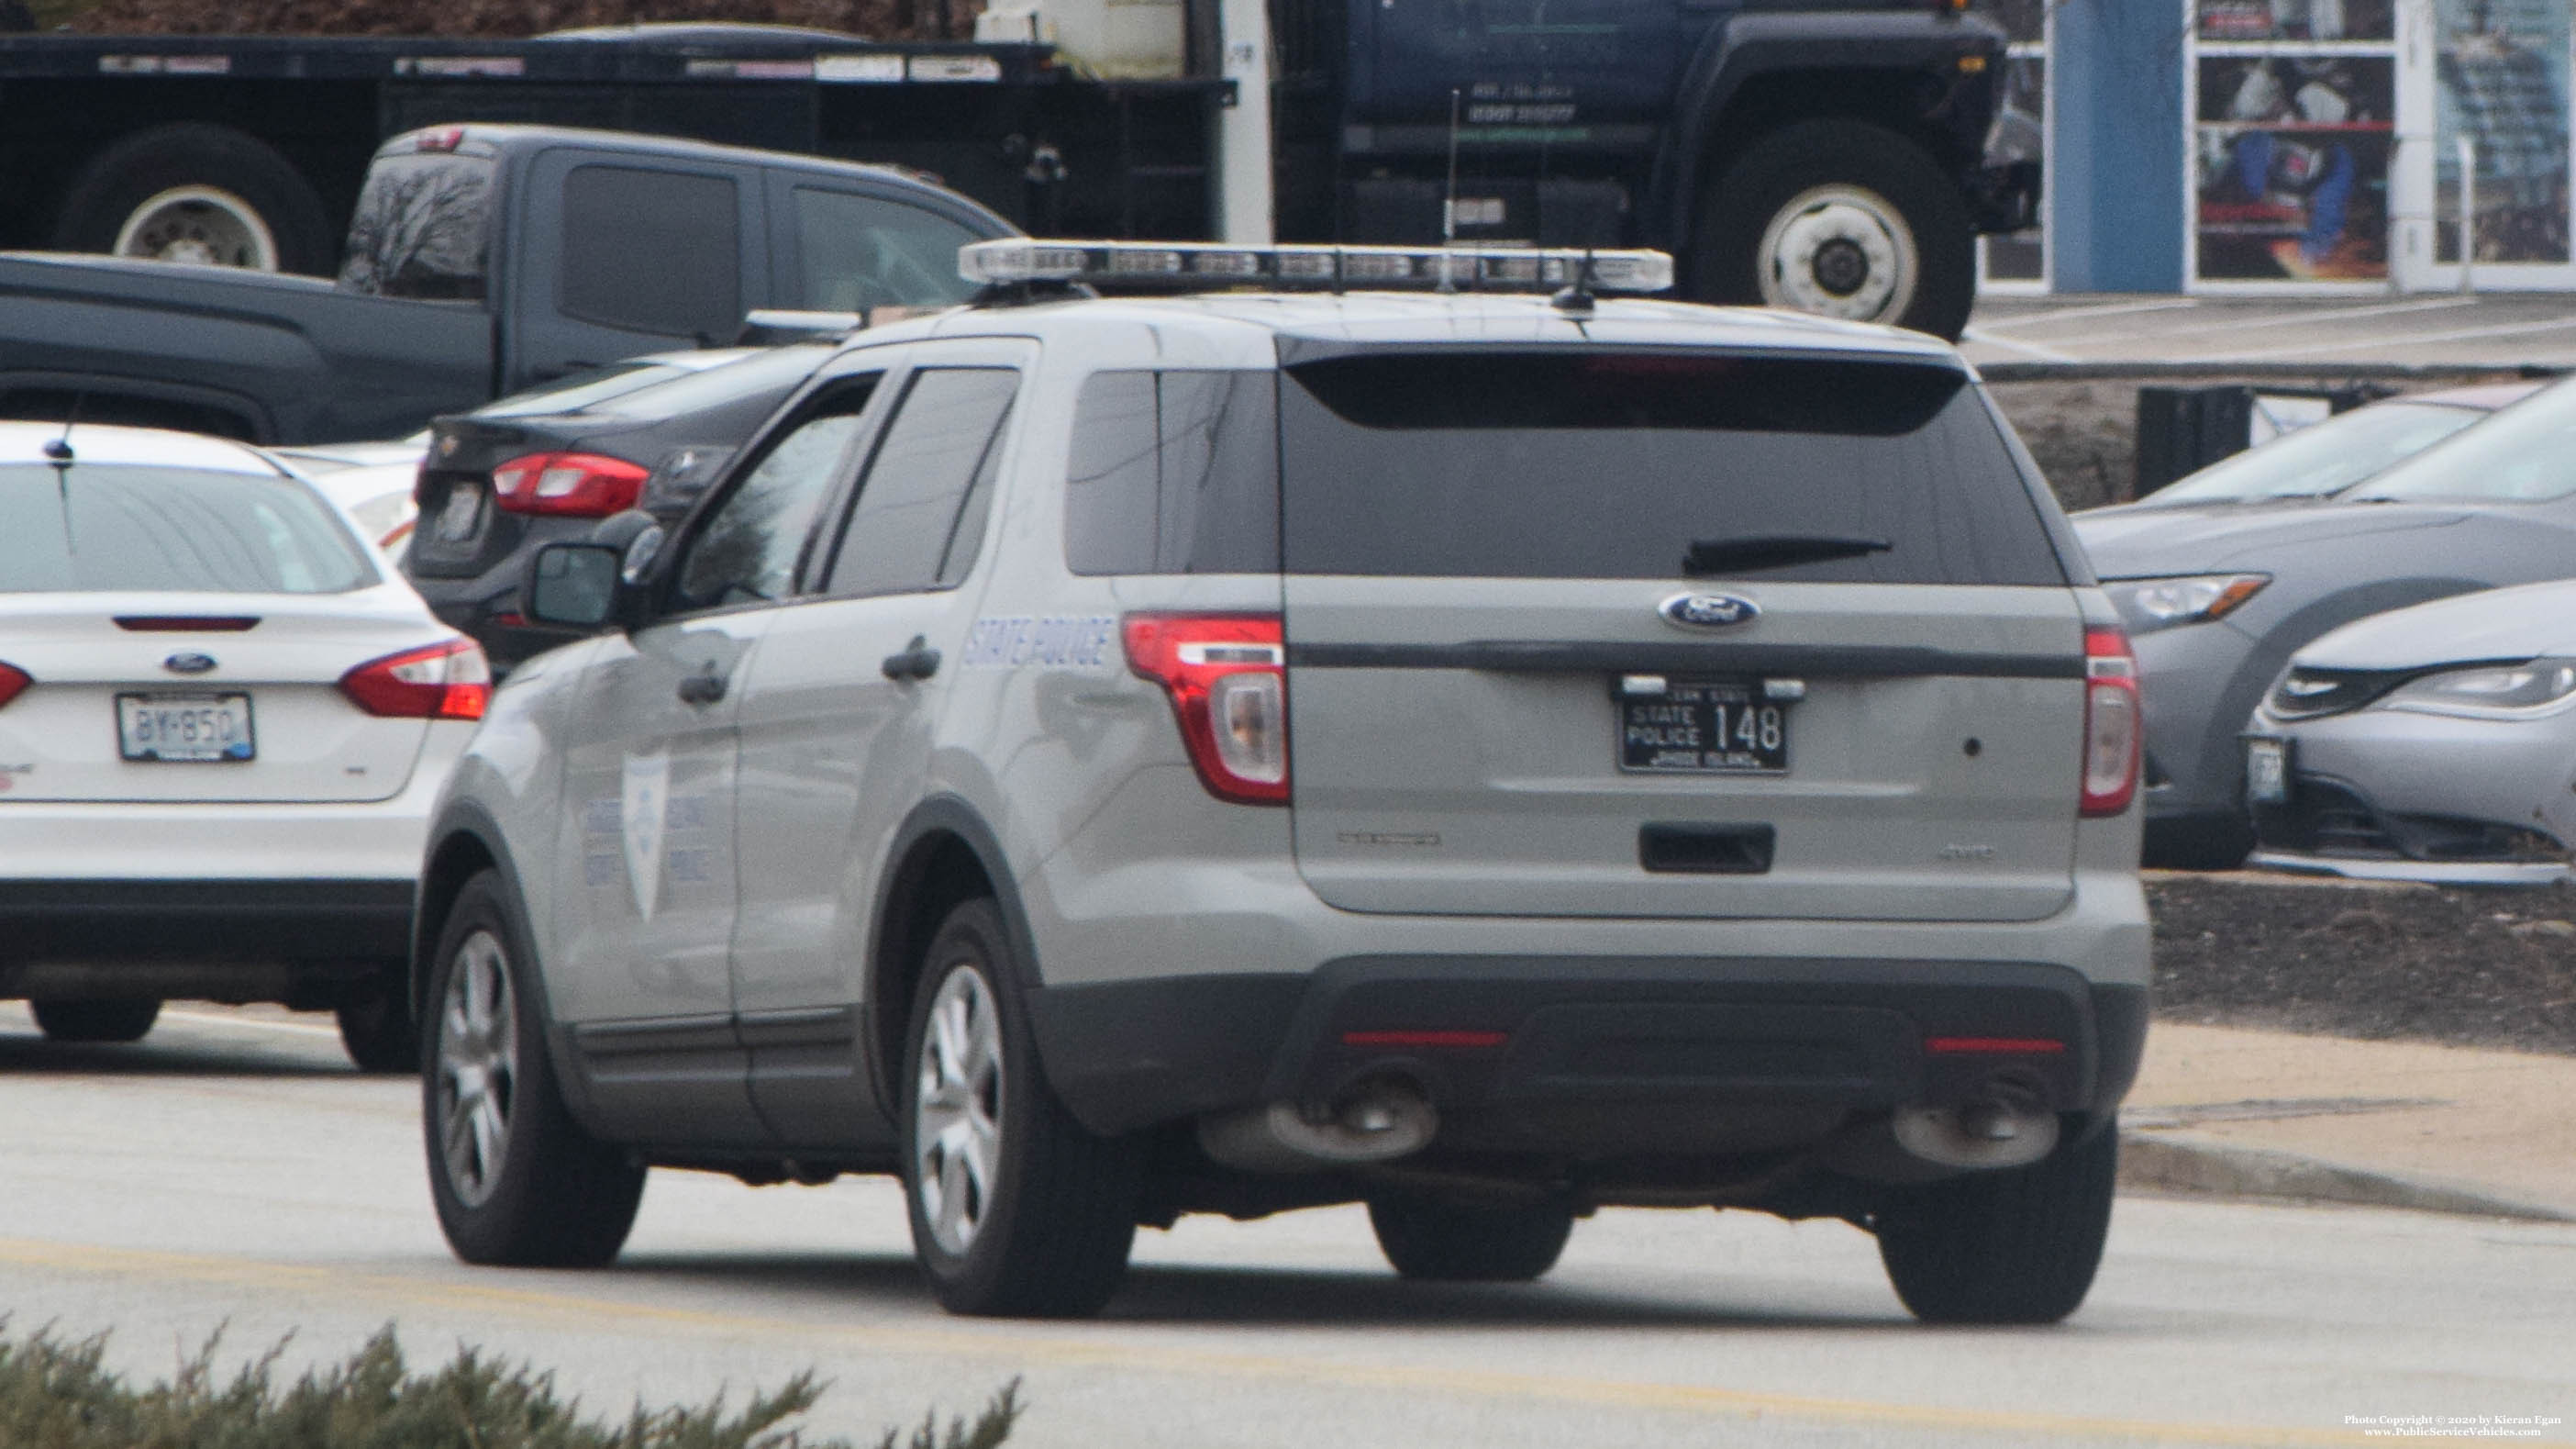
[
  {"x": 1174, "y": 472},
  {"x": 856, "y": 253},
  {"x": 909, "y": 528},
  {"x": 748, "y": 550},
  {"x": 1111, "y": 476},
  {"x": 652, "y": 251}
]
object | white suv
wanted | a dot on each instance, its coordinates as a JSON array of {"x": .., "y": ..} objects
[{"x": 1489, "y": 756}]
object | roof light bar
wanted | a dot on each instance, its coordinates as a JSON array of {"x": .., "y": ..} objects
[{"x": 1198, "y": 266}]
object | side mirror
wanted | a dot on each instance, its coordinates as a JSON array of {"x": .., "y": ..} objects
[{"x": 574, "y": 585}]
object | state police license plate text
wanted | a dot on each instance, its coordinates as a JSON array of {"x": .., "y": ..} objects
[
  {"x": 184, "y": 728},
  {"x": 1703, "y": 726}
]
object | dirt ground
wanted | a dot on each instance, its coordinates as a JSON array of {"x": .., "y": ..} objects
[{"x": 2481, "y": 968}]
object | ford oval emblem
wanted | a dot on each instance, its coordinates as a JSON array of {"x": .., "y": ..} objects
[
  {"x": 1708, "y": 611},
  {"x": 189, "y": 663}
]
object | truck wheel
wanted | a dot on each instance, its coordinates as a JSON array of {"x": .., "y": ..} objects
[
  {"x": 95, "y": 1020},
  {"x": 1017, "y": 1210},
  {"x": 1433, "y": 1241},
  {"x": 2014, "y": 1246},
  {"x": 516, "y": 1181},
  {"x": 1843, "y": 219},
  {"x": 377, "y": 1027},
  {"x": 197, "y": 193}
]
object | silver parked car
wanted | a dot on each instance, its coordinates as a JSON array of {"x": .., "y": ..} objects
[
  {"x": 1486, "y": 756},
  {"x": 2217, "y": 598},
  {"x": 2434, "y": 743}
]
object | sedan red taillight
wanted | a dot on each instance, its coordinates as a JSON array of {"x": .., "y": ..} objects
[
  {"x": 568, "y": 485},
  {"x": 442, "y": 681},
  {"x": 12, "y": 681},
  {"x": 1228, "y": 678},
  {"x": 2111, "y": 722}
]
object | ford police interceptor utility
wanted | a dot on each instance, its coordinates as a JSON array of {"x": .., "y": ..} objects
[{"x": 1343, "y": 725}]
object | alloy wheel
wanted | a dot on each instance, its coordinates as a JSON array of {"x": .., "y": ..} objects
[
  {"x": 478, "y": 1066},
  {"x": 957, "y": 1111}
]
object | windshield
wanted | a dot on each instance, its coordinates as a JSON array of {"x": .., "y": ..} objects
[
  {"x": 2522, "y": 454},
  {"x": 1627, "y": 465},
  {"x": 421, "y": 228},
  {"x": 2319, "y": 460},
  {"x": 108, "y": 526}
]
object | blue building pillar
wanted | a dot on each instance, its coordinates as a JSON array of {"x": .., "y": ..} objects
[{"x": 2117, "y": 190}]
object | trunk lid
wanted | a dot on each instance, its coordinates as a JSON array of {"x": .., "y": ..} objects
[
  {"x": 1494, "y": 680},
  {"x": 60, "y": 738}
]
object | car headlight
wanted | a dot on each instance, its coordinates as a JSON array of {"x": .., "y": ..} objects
[
  {"x": 2490, "y": 691},
  {"x": 2151, "y": 604}
]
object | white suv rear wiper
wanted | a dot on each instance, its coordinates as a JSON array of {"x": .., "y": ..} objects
[{"x": 1731, "y": 555}]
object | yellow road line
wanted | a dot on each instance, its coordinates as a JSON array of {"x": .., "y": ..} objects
[{"x": 1085, "y": 1347}]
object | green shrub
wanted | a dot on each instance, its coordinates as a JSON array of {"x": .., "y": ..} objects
[{"x": 54, "y": 1394}]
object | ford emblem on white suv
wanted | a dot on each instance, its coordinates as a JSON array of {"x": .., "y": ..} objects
[
  {"x": 1709, "y": 611},
  {"x": 189, "y": 663}
]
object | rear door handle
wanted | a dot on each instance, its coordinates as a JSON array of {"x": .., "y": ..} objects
[
  {"x": 917, "y": 661},
  {"x": 704, "y": 688}
]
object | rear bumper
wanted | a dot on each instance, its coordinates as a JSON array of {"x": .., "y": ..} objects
[
  {"x": 1665, "y": 1051},
  {"x": 224, "y": 939}
]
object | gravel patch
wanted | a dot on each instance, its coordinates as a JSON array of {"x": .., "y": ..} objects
[{"x": 2477, "y": 968}]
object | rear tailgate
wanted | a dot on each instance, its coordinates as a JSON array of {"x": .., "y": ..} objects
[{"x": 1493, "y": 710}]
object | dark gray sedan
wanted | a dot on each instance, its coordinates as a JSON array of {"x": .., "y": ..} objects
[{"x": 2218, "y": 598}]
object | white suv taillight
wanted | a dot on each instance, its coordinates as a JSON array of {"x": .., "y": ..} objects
[
  {"x": 2111, "y": 724},
  {"x": 1228, "y": 679},
  {"x": 442, "y": 681},
  {"x": 12, "y": 680}
]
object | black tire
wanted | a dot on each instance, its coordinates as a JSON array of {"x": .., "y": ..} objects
[
  {"x": 551, "y": 1196},
  {"x": 1056, "y": 1214},
  {"x": 1434, "y": 1241},
  {"x": 2016, "y": 1246},
  {"x": 2197, "y": 843},
  {"x": 1773, "y": 173},
  {"x": 244, "y": 172},
  {"x": 93, "y": 1019},
  {"x": 377, "y": 1026}
]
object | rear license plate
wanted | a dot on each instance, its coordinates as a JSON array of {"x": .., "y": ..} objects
[
  {"x": 1702, "y": 726},
  {"x": 461, "y": 515},
  {"x": 184, "y": 728},
  {"x": 2267, "y": 770}
]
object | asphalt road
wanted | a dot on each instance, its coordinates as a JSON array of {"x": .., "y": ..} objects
[{"x": 232, "y": 1173}]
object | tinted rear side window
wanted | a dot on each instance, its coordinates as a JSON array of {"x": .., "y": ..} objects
[
  {"x": 1611, "y": 465},
  {"x": 652, "y": 251},
  {"x": 1174, "y": 472},
  {"x": 105, "y": 526}
]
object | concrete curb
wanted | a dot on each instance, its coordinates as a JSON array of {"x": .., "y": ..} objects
[{"x": 2170, "y": 1162}]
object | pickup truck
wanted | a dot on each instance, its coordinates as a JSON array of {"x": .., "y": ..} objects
[{"x": 481, "y": 259}]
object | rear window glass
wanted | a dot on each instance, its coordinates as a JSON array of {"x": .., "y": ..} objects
[
  {"x": 1174, "y": 472},
  {"x": 1614, "y": 465},
  {"x": 421, "y": 228},
  {"x": 101, "y": 526},
  {"x": 772, "y": 373},
  {"x": 582, "y": 390}
]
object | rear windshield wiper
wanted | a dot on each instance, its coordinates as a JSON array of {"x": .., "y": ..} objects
[{"x": 1731, "y": 555}]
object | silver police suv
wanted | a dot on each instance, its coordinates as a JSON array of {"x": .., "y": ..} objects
[{"x": 1489, "y": 756}]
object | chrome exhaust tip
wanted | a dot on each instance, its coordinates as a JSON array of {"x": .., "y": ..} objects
[
  {"x": 1379, "y": 1120},
  {"x": 2005, "y": 1128}
]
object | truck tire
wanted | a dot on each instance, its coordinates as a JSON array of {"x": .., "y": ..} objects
[
  {"x": 197, "y": 193},
  {"x": 1017, "y": 1210},
  {"x": 117, "y": 1019},
  {"x": 1431, "y": 1241},
  {"x": 377, "y": 1027},
  {"x": 515, "y": 1179},
  {"x": 2013, "y": 1246},
  {"x": 1843, "y": 219}
]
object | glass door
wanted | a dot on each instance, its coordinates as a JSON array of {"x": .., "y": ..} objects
[
  {"x": 2490, "y": 94},
  {"x": 2294, "y": 126}
]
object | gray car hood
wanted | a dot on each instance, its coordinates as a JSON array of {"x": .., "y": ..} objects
[
  {"x": 2524, "y": 622},
  {"x": 2145, "y": 543}
]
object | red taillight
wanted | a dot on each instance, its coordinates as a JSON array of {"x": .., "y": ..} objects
[
  {"x": 13, "y": 680},
  {"x": 2111, "y": 723},
  {"x": 1994, "y": 1046},
  {"x": 1228, "y": 678},
  {"x": 568, "y": 485},
  {"x": 442, "y": 681}
]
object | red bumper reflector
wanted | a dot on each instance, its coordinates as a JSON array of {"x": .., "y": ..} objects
[
  {"x": 1424, "y": 1038},
  {"x": 186, "y": 623},
  {"x": 1993, "y": 1046}
]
